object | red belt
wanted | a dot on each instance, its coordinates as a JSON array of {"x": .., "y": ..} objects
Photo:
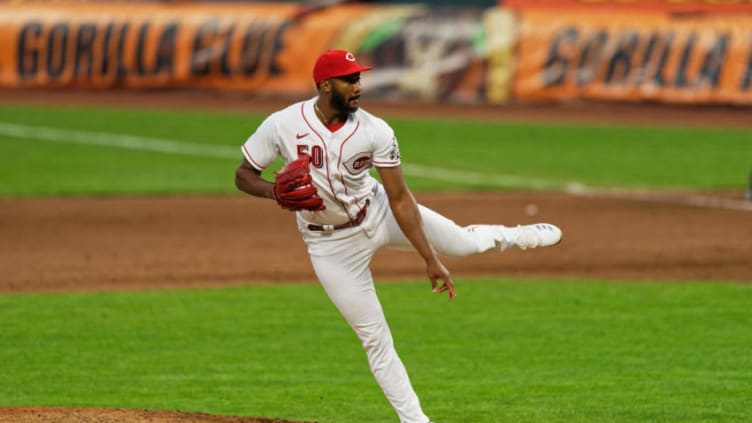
[{"x": 355, "y": 222}]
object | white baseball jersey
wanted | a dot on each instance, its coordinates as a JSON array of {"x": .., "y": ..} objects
[{"x": 340, "y": 161}]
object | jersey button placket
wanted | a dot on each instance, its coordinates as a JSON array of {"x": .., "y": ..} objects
[{"x": 333, "y": 146}]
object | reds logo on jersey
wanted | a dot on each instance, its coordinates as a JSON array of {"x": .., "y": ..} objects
[
  {"x": 358, "y": 163},
  {"x": 340, "y": 161}
]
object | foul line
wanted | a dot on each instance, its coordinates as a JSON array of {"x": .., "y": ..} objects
[
  {"x": 178, "y": 147},
  {"x": 171, "y": 146},
  {"x": 685, "y": 199},
  {"x": 129, "y": 142}
]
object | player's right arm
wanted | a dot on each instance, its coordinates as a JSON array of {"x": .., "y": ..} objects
[
  {"x": 259, "y": 150},
  {"x": 248, "y": 179}
]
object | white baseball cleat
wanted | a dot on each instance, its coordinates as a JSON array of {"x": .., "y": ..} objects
[{"x": 530, "y": 236}]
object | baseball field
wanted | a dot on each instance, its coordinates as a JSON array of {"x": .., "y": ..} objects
[{"x": 137, "y": 284}]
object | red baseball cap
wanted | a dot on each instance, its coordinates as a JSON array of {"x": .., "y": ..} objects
[{"x": 336, "y": 63}]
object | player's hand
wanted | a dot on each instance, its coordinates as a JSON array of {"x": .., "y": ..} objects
[{"x": 437, "y": 271}]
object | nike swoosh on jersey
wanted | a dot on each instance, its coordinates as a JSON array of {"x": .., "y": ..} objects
[{"x": 299, "y": 136}]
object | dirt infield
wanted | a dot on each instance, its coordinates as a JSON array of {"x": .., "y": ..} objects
[
  {"x": 136, "y": 243},
  {"x": 55, "y": 245},
  {"x": 116, "y": 415}
]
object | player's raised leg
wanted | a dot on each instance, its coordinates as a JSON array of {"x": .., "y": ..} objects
[{"x": 450, "y": 239}]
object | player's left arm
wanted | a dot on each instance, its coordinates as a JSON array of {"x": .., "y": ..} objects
[{"x": 406, "y": 212}]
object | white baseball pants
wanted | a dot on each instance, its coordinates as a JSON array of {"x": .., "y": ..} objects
[{"x": 341, "y": 261}]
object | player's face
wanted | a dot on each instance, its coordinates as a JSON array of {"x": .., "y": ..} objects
[{"x": 346, "y": 93}]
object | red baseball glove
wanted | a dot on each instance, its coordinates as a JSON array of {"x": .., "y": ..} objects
[{"x": 294, "y": 189}]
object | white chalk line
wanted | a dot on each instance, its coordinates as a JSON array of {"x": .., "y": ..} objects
[
  {"x": 129, "y": 142},
  {"x": 180, "y": 147},
  {"x": 685, "y": 199}
]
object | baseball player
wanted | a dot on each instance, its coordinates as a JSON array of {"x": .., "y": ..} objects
[{"x": 344, "y": 214}]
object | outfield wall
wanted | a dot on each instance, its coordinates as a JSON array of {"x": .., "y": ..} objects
[{"x": 545, "y": 50}]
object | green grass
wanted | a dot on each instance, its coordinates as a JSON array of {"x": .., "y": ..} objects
[
  {"x": 503, "y": 351},
  {"x": 604, "y": 156},
  {"x": 597, "y": 155},
  {"x": 34, "y": 167}
]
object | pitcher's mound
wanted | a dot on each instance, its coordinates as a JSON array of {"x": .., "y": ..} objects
[{"x": 117, "y": 415}]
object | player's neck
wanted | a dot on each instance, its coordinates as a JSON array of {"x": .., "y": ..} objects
[{"x": 327, "y": 116}]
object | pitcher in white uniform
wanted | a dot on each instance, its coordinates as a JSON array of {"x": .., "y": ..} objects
[{"x": 363, "y": 215}]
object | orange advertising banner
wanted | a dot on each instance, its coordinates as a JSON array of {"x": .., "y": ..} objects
[
  {"x": 655, "y": 57},
  {"x": 266, "y": 47},
  {"x": 672, "y": 6}
]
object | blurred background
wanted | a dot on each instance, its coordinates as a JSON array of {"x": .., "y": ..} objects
[{"x": 694, "y": 52}]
